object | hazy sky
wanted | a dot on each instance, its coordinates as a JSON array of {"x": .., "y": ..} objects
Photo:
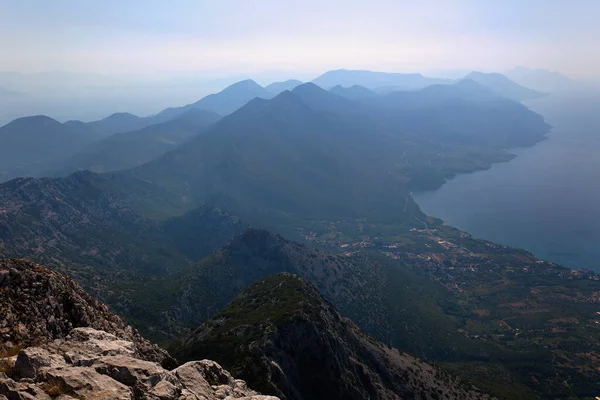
[{"x": 227, "y": 36}]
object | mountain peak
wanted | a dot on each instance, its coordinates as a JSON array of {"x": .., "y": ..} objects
[
  {"x": 309, "y": 87},
  {"x": 257, "y": 238},
  {"x": 246, "y": 84},
  {"x": 34, "y": 120},
  {"x": 121, "y": 115},
  {"x": 278, "y": 87},
  {"x": 503, "y": 86},
  {"x": 374, "y": 79},
  {"x": 296, "y": 345},
  {"x": 354, "y": 92}
]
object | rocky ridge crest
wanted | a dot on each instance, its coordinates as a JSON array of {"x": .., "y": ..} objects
[
  {"x": 285, "y": 339},
  {"x": 38, "y": 305},
  {"x": 92, "y": 364},
  {"x": 58, "y": 342}
]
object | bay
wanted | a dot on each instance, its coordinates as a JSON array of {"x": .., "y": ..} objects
[{"x": 547, "y": 199}]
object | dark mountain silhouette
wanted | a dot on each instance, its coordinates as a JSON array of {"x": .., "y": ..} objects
[
  {"x": 284, "y": 156},
  {"x": 329, "y": 102},
  {"x": 278, "y": 87},
  {"x": 504, "y": 86},
  {"x": 126, "y": 122},
  {"x": 129, "y": 149},
  {"x": 28, "y": 144},
  {"x": 373, "y": 80},
  {"x": 309, "y": 152},
  {"x": 286, "y": 340},
  {"x": 466, "y": 89},
  {"x": 232, "y": 97},
  {"x": 355, "y": 92},
  {"x": 120, "y": 122},
  {"x": 465, "y": 112},
  {"x": 226, "y": 101}
]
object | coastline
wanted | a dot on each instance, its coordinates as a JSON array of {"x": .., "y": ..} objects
[{"x": 558, "y": 239}]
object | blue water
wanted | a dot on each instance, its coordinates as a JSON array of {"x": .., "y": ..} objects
[{"x": 546, "y": 200}]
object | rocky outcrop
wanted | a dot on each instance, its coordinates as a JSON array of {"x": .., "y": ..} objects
[
  {"x": 38, "y": 305},
  {"x": 284, "y": 339},
  {"x": 93, "y": 364},
  {"x": 57, "y": 342}
]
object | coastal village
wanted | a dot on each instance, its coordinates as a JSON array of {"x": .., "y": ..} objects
[{"x": 512, "y": 298}]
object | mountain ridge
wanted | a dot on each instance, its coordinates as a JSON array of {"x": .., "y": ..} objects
[
  {"x": 297, "y": 346},
  {"x": 28, "y": 144},
  {"x": 374, "y": 80},
  {"x": 126, "y": 150},
  {"x": 59, "y": 342},
  {"x": 504, "y": 86}
]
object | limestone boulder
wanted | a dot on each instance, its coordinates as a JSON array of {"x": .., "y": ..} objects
[{"x": 92, "y": 364}]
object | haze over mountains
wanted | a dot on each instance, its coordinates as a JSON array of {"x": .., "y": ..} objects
[
  {"x": 504, "y": 86},
  {"x": 99, "y": 157},
  {"x": 185, "y": 209},
  {"x": 542, "y": 80}
]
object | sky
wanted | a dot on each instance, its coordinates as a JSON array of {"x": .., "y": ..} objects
[{"x": 228, "y": 37}]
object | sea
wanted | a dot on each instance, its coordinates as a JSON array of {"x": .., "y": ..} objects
[{"x": 547, "y": 199}]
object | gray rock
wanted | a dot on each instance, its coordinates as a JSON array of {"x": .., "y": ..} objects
[
  {"x": 38, "y": 305},
  {"x": 85, "y": 345},
  {"x": 34, "y": 360},
  {"x": 192, "y": 378},
  {"x": 91, "y": 364},
  {"x": 208, "y": 380},
  {"x": 140, "y": 374},
  {"x": 21, "y": 391},
  {"x": 164, "y": 390},
  {"x": 86, "y": 383}
]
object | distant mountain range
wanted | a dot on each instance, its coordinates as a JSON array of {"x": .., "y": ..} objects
[
  {"x": 354, "y": 92},
  {"x": 152, "y": 136},
  {"x": 233, "y": 97},
  {"x": 374, "y": 80},
  {"x": 278, "y": 87},
  {"x": 38, "y": 146},
  {"x": 309, "y": 150},
  {"x": 542, "y": 79},
  {"x": 28, "y": 144},
  {"x": 384, "y": 83},
  {"x": 129, "y": 149},
  {"x": 504, "y": 86}
]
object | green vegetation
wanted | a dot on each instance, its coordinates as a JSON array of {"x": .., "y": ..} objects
[
  {"x": 258, "y": 310},
  {"x": 282, "y": 337},
  {"x": 337, "y": 174}
]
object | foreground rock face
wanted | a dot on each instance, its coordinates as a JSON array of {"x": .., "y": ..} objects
[
  {"x": 93, "y": 364},
  {"x": 38, "y": 305}
]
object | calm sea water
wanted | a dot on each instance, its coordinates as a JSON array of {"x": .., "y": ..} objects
[{"x": 547, "y": 200}]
